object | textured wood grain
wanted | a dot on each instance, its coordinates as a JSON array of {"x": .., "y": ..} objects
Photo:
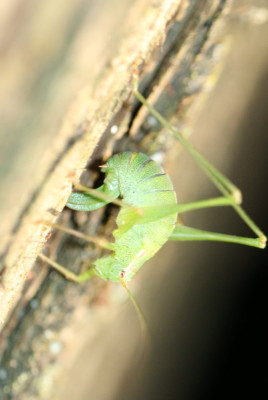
[{"x": 169, "y": 43}]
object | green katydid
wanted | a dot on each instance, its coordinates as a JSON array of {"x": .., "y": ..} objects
[{"x": 149, "y": 210}]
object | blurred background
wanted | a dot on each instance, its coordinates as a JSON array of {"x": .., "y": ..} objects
[{"x": 204, "y": 302}]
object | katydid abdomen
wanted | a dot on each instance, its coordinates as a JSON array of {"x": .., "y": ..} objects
[{"x": 140, "y": 182}]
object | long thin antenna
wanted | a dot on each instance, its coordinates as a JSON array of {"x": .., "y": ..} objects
[{"x": 142, "y": 320}]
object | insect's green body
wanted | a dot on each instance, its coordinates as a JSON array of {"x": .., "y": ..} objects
[
  {"x": 148, "y": 213},
  {"x": 140, "y": 182}
]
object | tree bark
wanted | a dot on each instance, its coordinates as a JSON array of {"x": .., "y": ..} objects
[{"x": 62, "y": 51}]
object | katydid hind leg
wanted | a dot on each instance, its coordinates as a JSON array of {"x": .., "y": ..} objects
[
  {"x": 220, "y": 181},
  {"x": 224, "y": 185},
  {"x": 148, "y": 214}
]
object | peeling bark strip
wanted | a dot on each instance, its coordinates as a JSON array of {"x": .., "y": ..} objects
[{"x": 43, "y": 331}]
